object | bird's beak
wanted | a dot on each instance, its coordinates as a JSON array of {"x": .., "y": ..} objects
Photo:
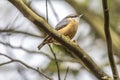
[{"x": 80, "y": 15}]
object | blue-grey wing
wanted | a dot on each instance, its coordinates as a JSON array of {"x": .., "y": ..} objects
[{"x": 61, "y": 24}]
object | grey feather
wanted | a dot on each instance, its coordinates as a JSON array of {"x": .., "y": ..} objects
[
  {"x": 64, "y": 21},
  {"x": 61, "y": 24}
]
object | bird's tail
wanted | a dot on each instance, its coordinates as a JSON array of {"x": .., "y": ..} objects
[
  {"x": 46, "y": 40},
  {"x": 41, "y": 45}
]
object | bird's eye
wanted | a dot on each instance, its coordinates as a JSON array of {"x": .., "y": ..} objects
[{"x": 75, "y": 16}]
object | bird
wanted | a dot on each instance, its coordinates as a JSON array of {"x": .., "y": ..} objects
[{"x": 67, "y": 26}]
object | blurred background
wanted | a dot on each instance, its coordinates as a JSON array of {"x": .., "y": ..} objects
[{"x": 19, "y": 39}]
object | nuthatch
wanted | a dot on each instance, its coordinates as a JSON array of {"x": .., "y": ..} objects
[{"x": 68, "y": 27}]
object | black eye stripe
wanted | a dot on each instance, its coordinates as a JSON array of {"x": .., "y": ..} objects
[{"x": 72, "y": 16}]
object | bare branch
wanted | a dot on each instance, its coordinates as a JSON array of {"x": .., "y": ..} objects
[
  {"x": 19, "y": 32},
  {"x": 2, "y": 64},
  {"x": 109, "y": 41},
  {"x": 53, "y": 10},
  {"x": 15, "y": 60},
  {"x": 56, "y": 61},
  {"x": 66, "y": 73},
  {"x": 46, "y": 4}
]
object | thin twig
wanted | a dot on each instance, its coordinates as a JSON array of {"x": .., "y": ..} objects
[
  {"x": 6, "y": 56},
  {"x": 37, "y": 52},
  {"x": 19, "y": 47},
  {"x": 109, "y": 41},
  {"x": 11, "y": 31},
  {"x": 46, "y": 10},
  {"x": 56, "y": 61},
  {"x": 53, "y": 10},
  {"x": 15, "y": 60},
  {"x": 66, "y": 73},
  {"x": 1, "y": 64}
]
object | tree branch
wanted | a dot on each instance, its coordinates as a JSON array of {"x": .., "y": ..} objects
[
  {"x": 56, "y": 61},
  {"x": 15, "y": 60},
  {"x": 72, "y": 46},
  {"x": 66, "y": 73},
  {"x": 19, "y": 32},
  {"x": 109, "y": 41}
]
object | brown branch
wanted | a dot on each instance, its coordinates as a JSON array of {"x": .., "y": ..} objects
[
  {"x": 15, "y": 60},
  {"x": 46, "y": 4},
  {"x": 109, "y": 41},
  {"x": 72, "y": 46},
  {"x": 66, "y": 73},
  {"x": 56, "y": 61},
  {"x": 1, "y": 64}
]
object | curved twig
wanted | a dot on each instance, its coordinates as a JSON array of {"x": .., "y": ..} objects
[{"x": 15, "y": 60}]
